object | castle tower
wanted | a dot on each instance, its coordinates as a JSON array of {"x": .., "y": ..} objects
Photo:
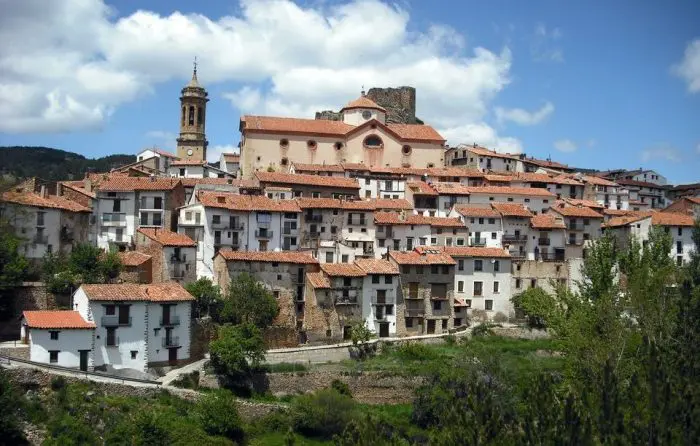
[{"x": 192, "y": 142}]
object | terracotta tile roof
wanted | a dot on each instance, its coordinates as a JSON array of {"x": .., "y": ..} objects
[
  {"x": 469, "y": 251},
  {"x": 402, "y": 171},
  {"x": 597, "y": 180},
  {"x": 695, "y": 200},
  {"x": 481, "y": 151},
  {"x": 130, "y": 184},
  {"x": 156, "y": 292},
  {"x": 421, "y": 188},
  {"x": 362, "y": 102},
  {"x": 546, "y": 221},
  {"x": 498, "y": 178},
  {"x": 528, "y": 191},
  {"x": 625, "y": 220},
  {"x": 577, "y": 211},
  {"x": 416, "y": 132},
  {"x": 391, "y": 218},
  {"x": 355, "y": 166},
  {"x": 308, "y": 180},
  {"x": 359, "y": 205},
  {"x": 511, "y": 210},
  {"x": 300, "y": 167},
  {"x": 79, "y": 187},
  {"x": 587, "y": 203},
  {"x": 269, "y": 256},
  {"x": 440, "y": 222},
  {"x": 236, "y": 202},
  {"x": 167, "y": 238},
  {"x": 617, "y": 212},
  {"x": 166, "y": 154},
  {"x": 271, "y": 124},
  {"x": 36, "y": 200},
  {"x": 377, "y": 204},
  {"x": 192, "y": 182},
  {"x": 376, "y": 266},
  {"x": 443, "y": 188},
  {"x": 319, "y": 203},
  {"x": 469, "y": 210},
  {"x": 318, "y": 280},
  {"x": 463, "y": 172},
  {"x": 342, "y": 270},
  {"x": 61, "y": 319},
  {"x": 546, "y": 163},
  {"x": 133, "y": 258},
  {"x": 671, "y": 219},
  {"x": 640, "y": 184},
  {"x": 428, "y": 257},
  {"x": 563, "y": 179}
]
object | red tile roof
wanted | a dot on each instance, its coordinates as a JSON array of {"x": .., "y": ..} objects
[
  {"x": 439, "y": 222},
  {"x": 362, "y": 102},
  {"x": 167, "y": 238},
  {"x": 498, "y": 178},
  {"x": 78, "y": 186},
  {"x": 377, "y": 204},
  {"x": 156, "y": 292},
  {"x": 546, "y": 221},
  {"x": 319, "y": 203},
  {"x": 166, "y": 154},
  {"x": 318, "y": 280},
  {"x": 481, "y": 151},
  {"x": 133, "y": 258},
  {"x": 394, "y": 218},
  {"x": 342, "y": 270},
  {"x": 236, "y": 202},
  {"x": 61, "y": 319},
  {"x": 421, "y": 188},
  {"x": 469, "y": 210},
  {"x": 469, "y": 251},
  {"x": 577, "y": 211},
  {"x": 269, "y": 256},
  {"x": 625, "y": 220},
  {"x": 511, "y": 210},
  {"x": 307, "y": 180},
  {"x": 463, "y": 172},
  {"x": 428, "y": 257},
  {"x": 640, "y": 184},
  {"x": 130, "y": 184},
  {"x": 528, "y": 191},
  {"x": 597, "y": 181},
  {"x": 300, "y": 167},
  {"x": 546, "y": 163},
  {"x": 416, "y": 132},
  {"x": 192, "y": 182},
  {"x": 36, "y": 200},
  {"x": 587, "y": 203},
  {"x": 376, "y": 266},
  {"x": 450, "y": 188},
  {"x": 671, "y": 219}
]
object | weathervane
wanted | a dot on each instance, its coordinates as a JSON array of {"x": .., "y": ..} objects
[{"x": 195, "y": 66}]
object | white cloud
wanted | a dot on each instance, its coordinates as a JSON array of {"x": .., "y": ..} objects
[
  {"x": 662, "y": 152},
  {"x": 565, "y": 145},
  {"x": 544, "y": 45},
  {"x": 689, "y": 67},
  {"x": 68, "y": 64},
  {"x": 524, "y": 117},
  {"x": 214, "y": 152},
  {"x": 166, "y": 140},
  {"x": 483, "y": 135}
]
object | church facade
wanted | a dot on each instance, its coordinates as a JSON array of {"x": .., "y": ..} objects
[{"x": 361, "y": 136}]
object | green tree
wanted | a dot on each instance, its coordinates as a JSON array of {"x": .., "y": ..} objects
[
  {"x": 207, "y": 294},
  {"x": 235, "y": 353},
  {"x": 218, "y": 415},
  {"x": 85, "y": 264},
  {"x": 248, "y": 302},
  {"x": 13, "y": 265},
  {"x": 360, "y": 336},
  {"x": 539, "y": 307}
]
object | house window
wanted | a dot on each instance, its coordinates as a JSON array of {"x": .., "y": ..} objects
[
  {"x": 518, "y": 283},
  {"x": 54, "y": 335},
  {"x": 434, "y": 269},
  {"x": 460, "y": 242},
  {"x": 419, "y": 269},
  {"x": 216, "y": 219},
  {"x": 284, "y": 142},
  {"x": 488, "y": 305},
  {"x": 409, "y": 322},
  {"x": 182, "y": 172},
  {"x": 344, "y": 258},
  {"x": 276, "y": 294},
  {"x": 493, "y": 236},
  {"x": 133, "y": 354},
  {"x": 445, "y": 269},
  {"x": 387, "y": 279},
  {"x": 373, "y": 141},
  {"x": 497, "y": 265},
  {"x": 111, "y": 337},
  {"x": 478, "y": 265},
  {"x": 329, "y": 257},
  {"x": 460, "y": 264},
  {"x": 311, "y": 144},
  {"x": 437, "y": 305},
  {"x": 460, "y": 286},
  {"x": 680, "y": 232},
  {"x": 533, "y": 283},
  {"x": 375, "y": 277},
  {"x": 53, "y": 356},
  {"x": 406, "y": 269},
  {"x": 478, "y": 288},
  {"x": 496, "y": 287}
]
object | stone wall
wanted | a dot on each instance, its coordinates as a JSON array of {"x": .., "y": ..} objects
[
  {"x": 400, "y": 105},
  {"x": 76, "y": 196},
  {"x": 29, "y": 296},
  {"x": 203, "y": 331}
]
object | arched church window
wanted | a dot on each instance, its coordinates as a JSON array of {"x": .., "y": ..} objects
[
  {"x": 190, "y": 120},
  {"x": 200, "y": 115},
  {"x": 373, "y": 141},
  {"x": 184, "y": 112},
  {"x": 406, "y": 149}
]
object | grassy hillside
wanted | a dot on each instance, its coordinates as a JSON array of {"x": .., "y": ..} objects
[{"x": 54, "y": 164}]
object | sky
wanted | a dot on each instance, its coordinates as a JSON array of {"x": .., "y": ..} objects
[{"x": 593, "y": 84}]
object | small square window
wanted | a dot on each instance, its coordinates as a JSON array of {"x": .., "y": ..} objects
[
  {"x": 375, "y": 278},
  {"x": 279, "y": 276},
  {"x": 134, "y": 353},
  {"x": 387, "y": 279},
  {"x": 53, "y": 356},
  {"x": 488, "y": 305},
  {"x": 276, "y": 294},
  {"x": 54, "y": 335},
  {"x": 493, "y": 236}
]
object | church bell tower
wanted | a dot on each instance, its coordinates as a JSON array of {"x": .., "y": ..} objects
[{"x": 192, "y": 142}]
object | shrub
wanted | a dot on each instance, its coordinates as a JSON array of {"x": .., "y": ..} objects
[
  {"x": 322, "y": 414},
  {"x": 483, "y": 329},
  {"x": 218, "y": 415},
  {"x": 188, "y": 381},
  {"x": 58, "y": 383},
  {"x": 341, "y": 387},
  {"x": 415, "y": 351},
  {"x": 284, "y": 367},
  {"x": 450, "y": 339}
]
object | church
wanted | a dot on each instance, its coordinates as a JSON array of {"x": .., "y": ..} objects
[{"x": 361, "y": 136}]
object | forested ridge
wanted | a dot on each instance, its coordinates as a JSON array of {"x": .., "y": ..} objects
[{"x": 53, "y": 164}]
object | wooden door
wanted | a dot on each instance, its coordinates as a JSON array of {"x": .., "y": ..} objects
[
  {"x": 84, "y": 360},
  {"x": 431, "y": 326},
  {"x": 172, "y": 355},
  {"x": 384, "y": 330}
]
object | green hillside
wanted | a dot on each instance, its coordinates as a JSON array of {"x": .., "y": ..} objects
[{"x": 54, "y": 164}]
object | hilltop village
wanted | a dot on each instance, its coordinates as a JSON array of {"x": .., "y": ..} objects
[{"x": 364, "y": 214}]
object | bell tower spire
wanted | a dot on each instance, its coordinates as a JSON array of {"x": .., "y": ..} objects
[{"x": 192, "y": 142}]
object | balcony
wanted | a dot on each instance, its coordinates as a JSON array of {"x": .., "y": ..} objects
[
  {"x": 446, "y": 296},
  {"x": 574, "y": 227},
  {"x": 340, "y": 300},
  {"x": 178, "y": 259},
  {"x": 313, "y": 218},
  {"x": 263, "y": 234},
  {"x": 549, "y": 257},
  {"x": 357, "y": 222},
  {"x": 386, "y": 234},
  {"x": 386, "y": 300},
  {"x": 414, "y": 312},
  {"x": 114, "y": 219},
  {"x": 516, "y": 255},
  {"x": 477, "y": 242},
  {"x": 512, "y": 238},
  {"x": 40, "y": 239},
  {"x": 169, "y": 321},
  {"x": 169, "y": 342},
  {"x": 289, "y": 231},
  {"x": 113, "y": 321},
  {"x": 544, "y": 242}
]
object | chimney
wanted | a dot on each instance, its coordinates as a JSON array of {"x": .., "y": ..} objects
[
  {"x": 153, "y": 179},
  {"x": 87, "y": 184}
]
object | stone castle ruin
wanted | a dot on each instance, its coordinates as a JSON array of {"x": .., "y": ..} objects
[{"x": 400, "y": 105}]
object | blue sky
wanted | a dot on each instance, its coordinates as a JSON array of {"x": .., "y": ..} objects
[{"x": 592, "y": 84}]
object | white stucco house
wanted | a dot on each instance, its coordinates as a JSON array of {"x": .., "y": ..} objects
[
  {"x": 61, "y": 338},
  {"x": 379, "y": 292}
]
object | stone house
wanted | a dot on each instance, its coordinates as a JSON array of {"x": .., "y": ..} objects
[
  {"x": 515, "y": 219},
  {"x": 547, "y": 233},
  {"x": 173, "y": 255},
  {"x": 380, "y": 293},
  {"x": 685, "y": 205},
  {"x": 137, "y": 267},
  {"x": 426, "y": 291},
  {"x": 583, "y": 225}
]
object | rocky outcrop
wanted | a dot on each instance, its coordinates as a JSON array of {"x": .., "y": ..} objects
[{"x": 400, "y": 105}]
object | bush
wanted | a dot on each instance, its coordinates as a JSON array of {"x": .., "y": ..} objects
[
  {"x": 284, "y": 367},
  {"x": 322, "y": 414},
  {"x": 188, "y": 381},
  {"x": 58, "y": 383},
  {"x": 218, "y": 415},
  {"x": 450, "y": 339},
  {"x": 341, "y": 387},
  {"x": 415, "y": 351},
  {"x": 483, "y": 329},
  {"x": 236, "y": 353}
]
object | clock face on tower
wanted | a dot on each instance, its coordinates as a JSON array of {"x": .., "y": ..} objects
[{"x": 189, "y": 152}]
